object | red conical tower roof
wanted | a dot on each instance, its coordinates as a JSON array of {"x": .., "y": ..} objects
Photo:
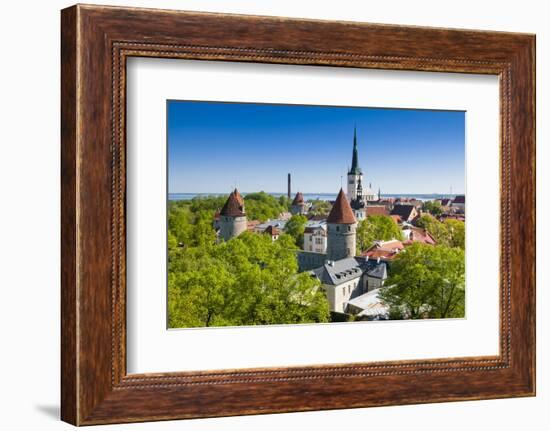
[
  {"x": 232, "y": 207},
  {"x": 341, "y": 211},
  {"x": 238, "y": 196},
  {"x": 298, "y": 199}
]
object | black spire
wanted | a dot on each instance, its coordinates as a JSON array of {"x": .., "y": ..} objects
[{"x": 355, "y": 169}]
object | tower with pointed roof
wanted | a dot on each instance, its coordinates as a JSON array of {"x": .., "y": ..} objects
[
  {"x": 355, "y": 175},
  {"x": 341, "y": 229},
  {"x": 298, "y": 205},
  {"x": 357, "y": 194},
  {"x": 232, "y": 220}
]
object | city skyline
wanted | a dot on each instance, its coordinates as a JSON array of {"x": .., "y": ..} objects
[{"x": 216, "y": 146}]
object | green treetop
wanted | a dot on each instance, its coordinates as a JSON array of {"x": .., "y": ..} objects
[
  {"x": 376, "y": 228},
  {"x": 248, "y": 280},
  {"x": 426, "y": 282},
  {"x": 295, "y": 227}
]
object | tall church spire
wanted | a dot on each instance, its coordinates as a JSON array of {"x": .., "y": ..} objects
[{"x": 355, "y": 169}]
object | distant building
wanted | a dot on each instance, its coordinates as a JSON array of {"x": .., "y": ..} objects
[
  {"x": 355, "y": 177},
  {"x": 406, "y": 212},
  {"x": 273, "y": 231},
  {"x": 417, "y": 203},
  {"x": 298, "y": 205},
  {"x": 315, "y": 237},
  {"x": 445, "y": 202},
  {"x": 369, "y": 307},
  {"x": 459, "y": 203},
  {"x": 341, "y": 236},
  {"x": 416, "y": 234},
  {"x": 276, "y": 223},
  {"x": 384, "y": 250},
  {"x": 358, "y": 195},
  {"x": 349, "y": 278},
  {"x": 232, "y": 217}
]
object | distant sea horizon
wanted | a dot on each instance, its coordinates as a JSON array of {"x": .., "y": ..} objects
[{"x": 319, "y": 196}]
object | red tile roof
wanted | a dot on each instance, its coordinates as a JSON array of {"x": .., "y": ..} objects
[
  {"x": 389, "y": 245},
  {"x": 341, "y": 211},
  {"x": 377, "y": 210},
  {"x": 232, "y": 207},
  {"x": 422, "y": 235},
  {"x": 383, "y": 252}
]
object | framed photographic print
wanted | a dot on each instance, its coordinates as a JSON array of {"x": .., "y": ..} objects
[{"x": 268, "y": 215}]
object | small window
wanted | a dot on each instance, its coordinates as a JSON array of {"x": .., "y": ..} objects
[{"x": 337, "y": 228}]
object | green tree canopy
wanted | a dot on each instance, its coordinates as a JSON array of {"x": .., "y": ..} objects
[
  {"x": 249, "y": 280},
  {"x": 450, "y": 233},
  {"x": 295, "y": 227},
  {"x": 285, "y": 202},
  {"x": 374, "y": 228},
  {"x": 456, "y": 232},
  {"x": 426, "y": 282},
  {"x": 262, "y": 206},
  {"x": 320, "y": 208},
  {"x": 433, "y": 207},
  {"x": 190, "y": 223}
]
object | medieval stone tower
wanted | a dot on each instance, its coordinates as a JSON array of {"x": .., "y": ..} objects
[
  {"x": 341, "y": 229},
  {"x": 232, "y": 216},
  {"x": 298, "y": 205}
]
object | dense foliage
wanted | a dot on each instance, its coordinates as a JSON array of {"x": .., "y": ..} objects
[
  {"x": 433, "y": 207},
  {"x": 450, "y": 233},
  {"x": 249, "y": 280},
  {"x": 190, "y": 222},
  {"x": 295, "y": 227},
  {"x": 319, "y": 208},
  {"x": 262, "y": 206},
  {"x": 426, "y": 282},
  {"x": 376, "y": 227}
]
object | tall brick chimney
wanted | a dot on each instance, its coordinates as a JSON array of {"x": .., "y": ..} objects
[{"x": 289, "y": 191}]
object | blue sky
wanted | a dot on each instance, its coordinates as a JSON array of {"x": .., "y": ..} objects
[{"x": 213, "y": 147}]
